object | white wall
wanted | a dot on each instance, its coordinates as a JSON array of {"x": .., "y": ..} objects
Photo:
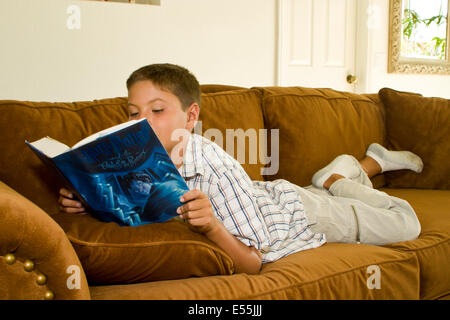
[
  {"x": 373, "y": 57},
  {"x": 227, "y": 42},
  {"x": 221, "y": 41}
]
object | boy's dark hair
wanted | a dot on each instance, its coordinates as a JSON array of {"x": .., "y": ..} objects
[{"x": 176, "y": 79}]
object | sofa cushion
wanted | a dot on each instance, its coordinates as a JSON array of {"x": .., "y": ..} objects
[
  {"x": 113, "y": 254},
  {"x": 332, "y": 271},
  {"x": 433, "y": 245},
  {"x": 65, "y": 122},
  {"x": 317, "y": 125},
  {"x": 421, "y": 125},
  {"x": 235, "y": 113}
]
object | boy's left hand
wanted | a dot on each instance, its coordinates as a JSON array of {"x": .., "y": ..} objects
[{"x": 197, "y": 211}]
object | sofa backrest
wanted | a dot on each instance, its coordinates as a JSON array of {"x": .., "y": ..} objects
[
  {"x": 65, "y": 122},
  {"x": 315, "y": 125}
]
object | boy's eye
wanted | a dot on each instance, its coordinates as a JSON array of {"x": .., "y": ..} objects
[
  {"x": 157, "y": 110},
  {"x": 133, "y": 114}
]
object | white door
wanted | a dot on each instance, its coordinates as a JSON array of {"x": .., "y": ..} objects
[{"x": 316, "y": 43}]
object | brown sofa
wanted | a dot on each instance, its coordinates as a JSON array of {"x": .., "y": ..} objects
[{"x": 46, "y": 254}]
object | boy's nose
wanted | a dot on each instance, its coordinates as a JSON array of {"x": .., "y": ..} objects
[{"x": 148, "y": 119}]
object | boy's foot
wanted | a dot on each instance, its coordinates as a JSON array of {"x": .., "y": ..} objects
[
  {"x": 343, "y": 165},
  {"x": 394, "y": 160}
]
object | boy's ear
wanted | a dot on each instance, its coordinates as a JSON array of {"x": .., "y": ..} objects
[
  {"x": 192, "y": 115},
  {"x": 193, "y": 112}
]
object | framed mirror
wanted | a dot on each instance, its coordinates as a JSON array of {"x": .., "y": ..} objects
[{"x": 418, "y": 36}]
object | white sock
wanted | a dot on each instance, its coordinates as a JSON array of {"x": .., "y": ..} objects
[
  {"x": 394, "y": 160},
  {"x": 344, "y": 165}
]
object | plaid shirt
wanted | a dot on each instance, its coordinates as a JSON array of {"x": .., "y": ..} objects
[{"x": 268, "y": 215}]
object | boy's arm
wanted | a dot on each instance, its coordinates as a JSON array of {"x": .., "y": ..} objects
[
  {"x": 246, "y": 259},
  {"x": 198, "y": 213}
]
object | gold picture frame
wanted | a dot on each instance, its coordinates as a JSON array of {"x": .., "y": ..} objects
[{"x": 400, "y": 64}]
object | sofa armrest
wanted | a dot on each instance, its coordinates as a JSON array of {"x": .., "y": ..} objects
[{"x": 37, "y": 260}]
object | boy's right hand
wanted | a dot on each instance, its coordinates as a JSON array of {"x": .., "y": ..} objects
[{"x": 68, "y": 204}]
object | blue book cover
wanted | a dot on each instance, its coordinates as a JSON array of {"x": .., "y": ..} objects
[{"x": 122, "y": 174}]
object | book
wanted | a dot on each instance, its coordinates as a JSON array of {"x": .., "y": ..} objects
[{"x": 121, "y": 174}]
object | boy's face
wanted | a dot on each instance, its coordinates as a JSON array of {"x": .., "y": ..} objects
[{"x": 163, "y": 111}]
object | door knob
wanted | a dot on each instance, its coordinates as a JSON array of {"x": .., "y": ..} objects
[{"x": 351, "y": 79}]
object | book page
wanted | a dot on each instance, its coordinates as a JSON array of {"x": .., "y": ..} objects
[
  {"x": 104, "y": 132},
  {"x": 50, "y": 147}
]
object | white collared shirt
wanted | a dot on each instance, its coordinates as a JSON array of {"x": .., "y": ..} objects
[{"x": 268, "y": 215}]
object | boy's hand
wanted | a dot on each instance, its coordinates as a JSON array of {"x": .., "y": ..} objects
[
  {"x": 68, "y": 204},
  {"x": 198, "y": 212}
]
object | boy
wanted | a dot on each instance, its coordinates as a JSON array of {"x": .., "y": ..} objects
[{"x": 261, "y": 221}]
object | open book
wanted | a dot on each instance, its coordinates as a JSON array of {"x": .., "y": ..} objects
[{"x": 120, "y": 174}]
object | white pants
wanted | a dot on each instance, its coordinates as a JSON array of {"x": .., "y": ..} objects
[{"x": 353, "y": 212}]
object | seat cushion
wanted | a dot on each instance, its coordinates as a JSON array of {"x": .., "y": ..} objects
[
  {"x": 317, "y": 125},
  {"x": 332, "y": 271},
  {"x": 112, "y": 254},
  {"x": 433, "y": 245},
  {"x": 421, "y": 125}
]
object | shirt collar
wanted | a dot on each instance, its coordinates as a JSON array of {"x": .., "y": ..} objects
[{"x": 192, "y": 158}]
